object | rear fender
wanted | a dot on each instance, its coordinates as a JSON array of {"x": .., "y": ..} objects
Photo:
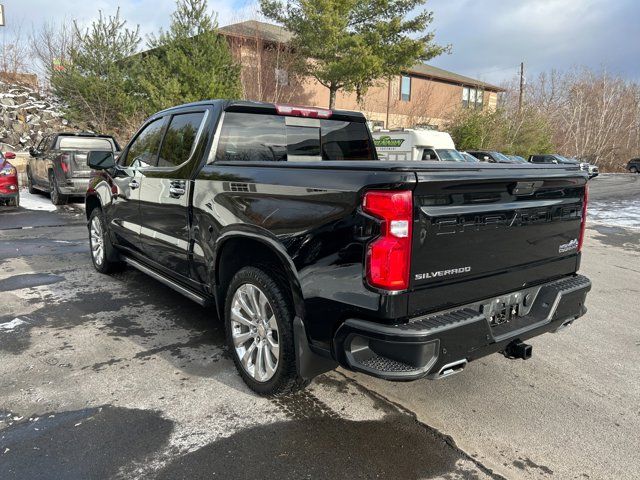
[{"x": 272, "y": 243}]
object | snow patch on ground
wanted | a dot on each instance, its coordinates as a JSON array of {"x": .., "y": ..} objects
[
  {"x": 620, "y": 214},
  {"x": 35, "y": 201},
  {"x": 16, "y": 322}
]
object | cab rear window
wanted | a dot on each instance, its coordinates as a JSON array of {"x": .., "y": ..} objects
[
  {"x": 257, "y": 137},
  {"x": 86, "y": 143}
]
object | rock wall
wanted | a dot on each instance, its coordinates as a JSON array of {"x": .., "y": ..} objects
[{"x": 27, "y": 115}]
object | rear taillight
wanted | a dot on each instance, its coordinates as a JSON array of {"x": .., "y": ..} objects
[
  {"x": 583, "y": 222},
  {"x": 64, "y": 162},
  {"x": 389, "y": 255},
  {"x": 295, "y": 111}
]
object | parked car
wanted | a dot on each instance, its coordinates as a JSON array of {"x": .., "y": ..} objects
[
  {"x": 468, "y": 157},
  {"x": 9, "y": 191},
  {"x": 516, "y": 159},
  {"x": 316, "y": 254},
  {"x": 490, "y": 156},
  {"x": 58, "y": 165},
  {"x": 409, "y": 144},
  {"x": 592, "y": 170},
  {"x": 634, "y": 165}
]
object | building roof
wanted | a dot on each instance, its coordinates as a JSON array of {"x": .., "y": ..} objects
[
  {"x": 275, "y": 33},
  {"x": 440, "y": 74},
  {"x": 254, "y": 28}
]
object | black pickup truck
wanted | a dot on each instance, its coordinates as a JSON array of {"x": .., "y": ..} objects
[
  {"x": 58, "y": 164},
  {"x": 316, "y": 254}
]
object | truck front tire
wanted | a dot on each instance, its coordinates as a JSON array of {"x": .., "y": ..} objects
[{"x": 259, "y": 329}]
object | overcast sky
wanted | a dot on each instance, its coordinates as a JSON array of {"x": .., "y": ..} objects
[{"x": 489, "y": 37}]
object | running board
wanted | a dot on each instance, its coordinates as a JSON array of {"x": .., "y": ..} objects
[{"x": 199, "y": 299}]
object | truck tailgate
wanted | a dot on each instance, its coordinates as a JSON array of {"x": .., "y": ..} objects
[
  {"x": 77, "y": 163},
  {"x": 478, "y": 235}
]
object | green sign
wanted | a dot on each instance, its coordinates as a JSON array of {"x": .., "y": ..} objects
[{"x": 387, "y": 141}]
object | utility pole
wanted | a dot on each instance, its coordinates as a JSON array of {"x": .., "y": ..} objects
[
  {"x": 386, "y": 124},
  {"x": 521, "y": 87}
]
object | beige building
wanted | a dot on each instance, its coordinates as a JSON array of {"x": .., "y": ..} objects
[{"x": 423, "y": 95}]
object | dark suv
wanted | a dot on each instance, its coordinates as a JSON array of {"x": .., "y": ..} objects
[
  {"x": 554, "y": 158},
  {"x": 491, "y": 156},
  {"x": 634, "y": 165}
]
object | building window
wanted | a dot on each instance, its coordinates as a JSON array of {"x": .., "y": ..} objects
[
  {"x": 465, "y": 97},
  {"x": 405, "y": 88},
  {"x": 472, "y": 97},
  {"x": 282, "y": 77}
]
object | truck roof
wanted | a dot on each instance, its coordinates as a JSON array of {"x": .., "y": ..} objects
[{"x": 82, "y": 134}]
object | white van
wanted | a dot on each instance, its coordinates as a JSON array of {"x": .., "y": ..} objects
[{"x": 406, "y": 144}]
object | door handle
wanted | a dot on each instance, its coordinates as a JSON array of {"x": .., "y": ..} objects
[
  {"x": 133, "y": 184},
  {"x": 176, "y": 192}
]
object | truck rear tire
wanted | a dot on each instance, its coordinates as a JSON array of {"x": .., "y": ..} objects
[
  {"x": 57, "y": 198},
  {"x": 259, "y": 329},
  {"x": 103, "y": 255},
  {"x": 30, "y": 186}
]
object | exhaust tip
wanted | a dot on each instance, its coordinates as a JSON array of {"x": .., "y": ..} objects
[
  {"x": 518, "y": 349},
  {"x": 450, "y": 369}
]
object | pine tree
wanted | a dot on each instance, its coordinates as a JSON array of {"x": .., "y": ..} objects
[
  {"x": 351, "y": 44},
  {"x": 96, "y": 83},
  {"x": 189, "y": 62}
]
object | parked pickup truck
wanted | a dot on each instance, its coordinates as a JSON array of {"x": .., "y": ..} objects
[
  {"x": 58, "y": 165},
  {"x": 317, "y": 254}
]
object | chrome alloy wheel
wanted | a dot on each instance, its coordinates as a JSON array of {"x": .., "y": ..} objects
[
  {"x": 254, "y": 331},
  {"x": 97, "y": 242}
]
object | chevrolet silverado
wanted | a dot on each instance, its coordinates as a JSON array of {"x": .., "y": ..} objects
[{"x": 316, "y": 254}]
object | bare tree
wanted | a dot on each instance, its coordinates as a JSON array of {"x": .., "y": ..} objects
[
  {"x": 593, "y": 115},
  {"x": 50, "y": 45},
  {"x": 13, "y": 51},
  {"x": 269, "y": 66},
  {"x": 428, "y": 106}
]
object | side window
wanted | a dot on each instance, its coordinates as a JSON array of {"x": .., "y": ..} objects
[
  {"x": 180, "y": 139},
  {"x": 247, "y": 137},
  {"x": 429, "y": 154},
  {"x": 143, "y": 152},
  {"x": 537, "y": 159}
]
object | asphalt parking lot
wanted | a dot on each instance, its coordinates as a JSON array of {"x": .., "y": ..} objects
[{"x": 120, "y": 377}]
